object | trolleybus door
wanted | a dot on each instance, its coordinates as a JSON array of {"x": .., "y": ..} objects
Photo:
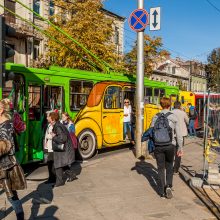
[
  {"x": 112, "y": 116},
  {"x": 41, "y": 99},
  {"x": 129, "y": 93}
]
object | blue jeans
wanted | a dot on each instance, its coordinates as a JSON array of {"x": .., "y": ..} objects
[
  {"x": 192, "y": 130},
  {"x": 128, "y": 127}
]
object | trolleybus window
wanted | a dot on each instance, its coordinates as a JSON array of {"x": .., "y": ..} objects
[
  {"x": 79, "y": 92},
  {"x": 148, "y": 95},
  {"x": 112, "y": 98},
  {"x": 158, "y": 93},
  {"x": 14, "y": 90},
  {"x": 34, "y": 102},
  {"x": 53, "y": 98}
]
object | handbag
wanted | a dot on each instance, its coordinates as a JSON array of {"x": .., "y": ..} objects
[
  {"x": 58, "y": 147},
  {"x": 16, "y": 176},
  {"x": 74, "y": 140}
]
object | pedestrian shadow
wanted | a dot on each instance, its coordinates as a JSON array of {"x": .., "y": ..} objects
[
  {"x": 76, "y": 167},
  {"x": 149, "y": 172},
  {"x": 43, "y": 195}
]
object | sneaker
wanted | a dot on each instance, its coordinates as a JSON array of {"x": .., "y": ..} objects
[
  {"x": 70, "y": 179},
  {"x": 162, "y": 196},
  {"x": 169, "y": 193}
]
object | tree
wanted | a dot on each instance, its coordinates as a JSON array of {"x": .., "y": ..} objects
[
  {"x": 84, "y": 21},
  {"x": 152, "y": 54},
  {"x": 213, "y": 70}
]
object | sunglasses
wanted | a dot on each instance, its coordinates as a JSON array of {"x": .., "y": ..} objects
[{"x": 126, "y": 102}]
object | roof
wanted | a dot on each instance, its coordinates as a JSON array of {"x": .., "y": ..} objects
[{"x": 113, "y": 14}]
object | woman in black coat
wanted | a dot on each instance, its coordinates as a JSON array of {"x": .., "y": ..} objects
[{"x": 62, "y": 159}]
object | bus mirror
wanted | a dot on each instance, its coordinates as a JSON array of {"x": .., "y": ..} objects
[{"x": 182, "y": 100}]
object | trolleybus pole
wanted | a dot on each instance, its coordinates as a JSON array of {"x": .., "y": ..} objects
[{"x": 140, "y": 88}]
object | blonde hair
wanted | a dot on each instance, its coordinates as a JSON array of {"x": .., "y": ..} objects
[
  {"x": 127, "y": 100},
  {"x": 5, "y": 105}
]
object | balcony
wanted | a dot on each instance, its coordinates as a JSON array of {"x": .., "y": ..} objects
[{"x": 22, "y": 28}]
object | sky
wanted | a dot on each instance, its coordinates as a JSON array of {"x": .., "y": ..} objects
[{"x": 190, "y": 29}]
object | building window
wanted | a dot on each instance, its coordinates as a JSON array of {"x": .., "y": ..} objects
[
  {"x": 8, "y": 16},
  {"x": 36, "y": 49},
  {"x": 116, "y": 35},
  {"x": 36, "y": 6},
  {"x": 173, "y": 70},
  {"x": 51, "y": 8}
]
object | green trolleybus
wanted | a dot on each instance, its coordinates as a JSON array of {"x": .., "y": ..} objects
[{"x": 94, "y": 101}]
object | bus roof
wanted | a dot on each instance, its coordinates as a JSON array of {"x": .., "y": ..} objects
[{"x": 84, "y": 75}]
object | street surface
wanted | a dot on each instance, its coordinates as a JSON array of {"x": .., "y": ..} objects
[{"x": 115, "y": 187}]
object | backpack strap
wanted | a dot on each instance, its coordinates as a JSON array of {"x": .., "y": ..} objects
[{"x": 167, "y": 114}]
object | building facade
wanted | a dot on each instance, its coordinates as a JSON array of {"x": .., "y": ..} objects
[
  {"x": 173, "y": 73},
  {"x": 188, "y": 75},
  {"x": 29, "y": 43},
  {"x": 198, "y": 78}
]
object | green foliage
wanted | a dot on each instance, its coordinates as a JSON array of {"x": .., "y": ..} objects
[
  {"x": 84, "y": 21},
  {"x": 152, "y": 54},
  {"x": 213, "y": 70}
]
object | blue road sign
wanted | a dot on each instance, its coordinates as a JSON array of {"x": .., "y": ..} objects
[{"x": 138, "y": 20}]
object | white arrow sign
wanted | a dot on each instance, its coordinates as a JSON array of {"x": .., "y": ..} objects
[{"x": 155, "y": 19}]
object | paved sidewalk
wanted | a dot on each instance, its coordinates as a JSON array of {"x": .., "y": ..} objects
[{"x": 116, "y": 187}]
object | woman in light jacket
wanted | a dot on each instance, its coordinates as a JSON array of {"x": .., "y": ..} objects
[{"x": 49, "y": 151}]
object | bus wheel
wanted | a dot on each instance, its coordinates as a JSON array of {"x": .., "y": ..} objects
[{"x": 87, "y": 144}]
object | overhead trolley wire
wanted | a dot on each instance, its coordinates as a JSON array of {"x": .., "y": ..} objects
[
  {"x": 50, "y": 36},
  {"x": 104, "y": 64},
  {"x": 217, "y": 9}
]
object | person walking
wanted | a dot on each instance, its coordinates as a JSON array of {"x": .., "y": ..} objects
[
  {"x": 127, "y": 120},
  {"x": 183, "y": 121},
  {"x": 8, "y": 163},
  {"x": 68, "y": 123},
  {"x": 64, "y": 154},
  {"x": 192, "y": 118},
  {"x": 164, "y": 125},
  {"x": 49, "y": 150}
]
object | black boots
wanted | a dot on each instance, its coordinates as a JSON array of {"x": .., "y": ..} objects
[{"x": 20, "y": 216}]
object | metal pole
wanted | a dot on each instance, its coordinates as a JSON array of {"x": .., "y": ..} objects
[{"x": 140, "y": 87}]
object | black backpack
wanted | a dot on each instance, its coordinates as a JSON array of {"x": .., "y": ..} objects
[{"x": 162, "y": 132}]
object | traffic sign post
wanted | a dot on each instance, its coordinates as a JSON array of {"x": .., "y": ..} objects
[
  {"x": 138, "y": 22},
  {"x": 155, "y": 19}
]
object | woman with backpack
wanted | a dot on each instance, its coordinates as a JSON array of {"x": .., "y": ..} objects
[{"x": 165, "y": 125}]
